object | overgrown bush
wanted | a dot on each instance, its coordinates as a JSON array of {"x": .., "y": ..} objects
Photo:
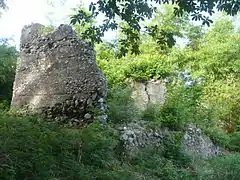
[
  {"x": 151, "y": 113},
  {"x": 8, "y": 57},
  {"x": 145, "y": 68},
  {"x": 222, "y": 168},
  {"x": 218, "y": 136},
  {"x": 163, "y": 162},
  {"x": 181, "y": 108},
  {"x": 234, "y": 143},
  {"x": 4, "y": 105},
  {"x": 121, "y": 106},
  {"x": 140, "y": 68},
  {"x": 37, "y": 150}
]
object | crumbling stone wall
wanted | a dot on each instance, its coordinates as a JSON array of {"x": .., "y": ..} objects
[
  {"x": 136, "y": 135},
  {"x": 149, "y": 92},
  {"x": 57, "y": 75},
  {"x": 196, "y": 142}
]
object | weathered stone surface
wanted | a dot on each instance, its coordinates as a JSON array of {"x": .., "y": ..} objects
[
  {"x": 150, "y": 92},
  {"x": 195, "y": 142},
  {"x": 57, "y": 72},
  {"x": 136, "y": 136}
]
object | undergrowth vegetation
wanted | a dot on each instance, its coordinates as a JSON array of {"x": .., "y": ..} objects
[
  {"x": 202, "y": 82},
  {"x": 34, "y": 149}
]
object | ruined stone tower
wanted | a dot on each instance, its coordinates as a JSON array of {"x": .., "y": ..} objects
[{"x": 57, "y": 74}]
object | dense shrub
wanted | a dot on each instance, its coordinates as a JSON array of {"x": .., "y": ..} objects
[
  {"x": 141, "y": 67},
  {"x": 37, "y": 150},
  {"x": 147, "y": 68},
  {"x": 234, "y": 143},
  {"x": 180, "y": 108},
  {"x": 4, "y": 105},
  {"x": 32, "y": 149},
  {"x": 218, "y": 136},
  {"x": 8, "y": 57},
  {"x": 121, "y": 105},
  {"x": 151, "y": 113},
  {"x": 222, "y": 168},
  {"x": 157, "y": 163}
]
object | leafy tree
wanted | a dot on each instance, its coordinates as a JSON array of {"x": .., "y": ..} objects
[
  {"x": 133, "y": 12},
  {"x": 216, "y": 63},
  {"x": 162, "y": 32},
  {"x": 80, "y": 29},
  {"x": 210, "y": 62},
  {"x": 8, "y": 56},
  {"x": 194, "y": 35},
  {"x": 155, "y": 60}
]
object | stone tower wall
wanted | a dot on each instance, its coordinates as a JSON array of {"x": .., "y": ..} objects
[{"x": 57, "y": 72}]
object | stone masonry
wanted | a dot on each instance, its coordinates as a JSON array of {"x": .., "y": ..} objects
[
  {"x": 57, "y": 75},
  {"x": 149, "y": 92}
]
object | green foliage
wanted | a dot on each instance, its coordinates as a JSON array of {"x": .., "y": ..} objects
[
  {"x": 203, "y": 88},
  {"x": 234, "y": 142},
  {"x": 119, "y": 72},
  {"x": 157, "y": 167},
  {"x": 33, "y": 149},
  {"x": 226, "y": 167},
  {"x": 172, "y": 149},
  {"x": 194, "y": 35},
  {"x": 216, "y": 63},
  {"x": 151, "y": 113},
  {"x": 218, "y": 136},
  {"x": 133, "y": 13},
  {"x": 8, "y": 57},
  {"x": 164, "y": 162},
  {"x": 178, "y": 109},
  {"x": 145, "y": 69},
  {"x": 83, "y": 29},
  {"x": 4, "y": 105},
  {"x": 98, "y": 144},
  {"x": 113, "y": 69},
  {"x": 122, "y": 108},
  {"x": 181, "y": 108}
]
